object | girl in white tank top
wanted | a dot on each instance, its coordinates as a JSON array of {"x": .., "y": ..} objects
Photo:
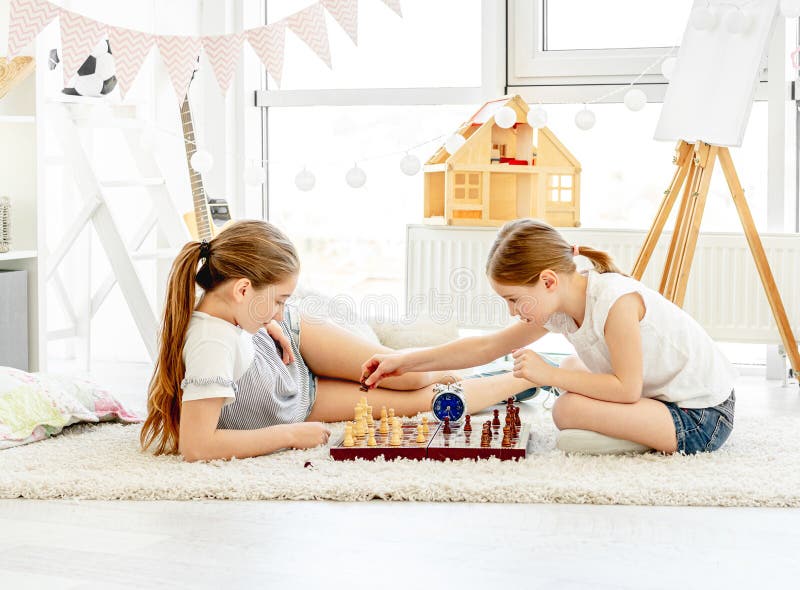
[{"x": 646, "y": 375}]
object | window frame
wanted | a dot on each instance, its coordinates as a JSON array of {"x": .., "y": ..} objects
[{"x": 528, "y": 63}]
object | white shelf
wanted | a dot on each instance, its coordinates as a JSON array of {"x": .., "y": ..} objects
[
  {"x": 17, "y": 119},
  {"x": 18, "y": 255}
]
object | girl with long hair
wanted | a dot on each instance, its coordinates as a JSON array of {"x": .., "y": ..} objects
[
  {"x": 646, "y": 375},
  {"x": 234, "y": 377}
]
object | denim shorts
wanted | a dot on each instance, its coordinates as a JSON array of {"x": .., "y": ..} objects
[{"x": 702, "y": 429}]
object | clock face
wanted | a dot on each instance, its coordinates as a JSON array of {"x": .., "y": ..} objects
[{"x": 448, "y": 405}]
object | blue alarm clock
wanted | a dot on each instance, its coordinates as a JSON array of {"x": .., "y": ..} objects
[{"x": 448, "y": 402}]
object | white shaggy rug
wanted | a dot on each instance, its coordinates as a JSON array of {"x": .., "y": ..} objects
[{"x": 759, "y": 466}]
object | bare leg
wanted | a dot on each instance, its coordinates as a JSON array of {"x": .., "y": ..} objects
[
  {"x": 331, "y": 351},
  {"x": 336, "y": 399},
  {"x": 646, "y": 422}
]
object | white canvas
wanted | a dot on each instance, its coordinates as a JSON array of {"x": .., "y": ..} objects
[{"x": 711, "y": 91}]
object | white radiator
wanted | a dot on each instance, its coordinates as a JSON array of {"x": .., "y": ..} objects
[{"x": 445, "y": 277}]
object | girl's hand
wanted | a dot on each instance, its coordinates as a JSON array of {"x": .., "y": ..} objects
[
  {"x": 273, "y": 328},
  {"x": 381, "y": 366},
  {"x": 529, "y": 365},
  {"x": 306, "y": 435}
]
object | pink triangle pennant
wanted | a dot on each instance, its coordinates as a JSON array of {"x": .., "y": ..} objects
[
  {"x": 180, "y": 56},
  {"x": 79, "y": 35},
  {"x": 394, "y": 5},
  {"x": 346, "y": 14},
  {"x": 26, "y": 19},
  {"x": 268, "y": 43},
  {"x": 309, "y": 25},
  {"x": 223, "y": 52},
  {"x": 130, "y": 48}
]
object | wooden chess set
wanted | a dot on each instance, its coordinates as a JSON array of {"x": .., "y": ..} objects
[{"x": 503, "y": 436}]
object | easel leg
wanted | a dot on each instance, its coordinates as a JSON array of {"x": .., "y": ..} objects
[
  {"x": 676, "y": 243},
  {"x": 760, "y": 258},
  {"x": 698, "y": 203},
  {"x": 683, "y": 161}
]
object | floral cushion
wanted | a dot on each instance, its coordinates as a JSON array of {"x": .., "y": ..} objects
[{"x": 34, "y": 406}]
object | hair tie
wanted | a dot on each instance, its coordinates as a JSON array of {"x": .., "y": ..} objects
[
  {"x": 205, "y": 249},
  {"x": 575, "y": 249}
]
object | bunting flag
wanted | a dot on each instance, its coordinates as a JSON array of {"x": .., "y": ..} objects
[
  {"x": 180, "y": 56},
  {"x": 346, "y": 14},
  {"x": 79, "y": 35},
  {"x": 268, "y": 43},
  {"x": 26, "y": 19},
  {"x": 394, "y": 5},
  {"x": 130, "y": 48},
  {"x": 309, "y": 25},
  {"x": 223, "y": 52}
]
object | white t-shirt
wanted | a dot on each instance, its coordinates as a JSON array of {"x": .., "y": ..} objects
[
  {"x": 216, "y": 355},
  {"x": 681, "y": 363}
]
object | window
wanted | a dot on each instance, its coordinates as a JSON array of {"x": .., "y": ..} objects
[
  {"x": 574, "y": 41},
  {"x": 573, "y": 24},
  {"x": 353, "y": 240},
  {"x": 408, "y": 84}
]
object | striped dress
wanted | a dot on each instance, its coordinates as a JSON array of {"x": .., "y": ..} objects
[{"x": 270, "y": 392}]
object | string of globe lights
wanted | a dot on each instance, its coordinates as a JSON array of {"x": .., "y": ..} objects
[{"x": 735, "y": 16}]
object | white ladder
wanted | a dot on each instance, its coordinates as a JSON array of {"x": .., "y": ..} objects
[{"x": 163, "y": 216}]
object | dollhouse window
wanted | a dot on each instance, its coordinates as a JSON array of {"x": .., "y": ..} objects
[
  {"x": 561, "y": 188},
  {"x": 467, "y": 186}
]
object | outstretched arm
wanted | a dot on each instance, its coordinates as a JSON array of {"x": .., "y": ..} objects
[
  {"x": 459, "y": 354},
  {"x": 201, "y": 440}
]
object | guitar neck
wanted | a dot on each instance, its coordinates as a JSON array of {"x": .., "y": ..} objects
[{"x": 195, "y": 179}]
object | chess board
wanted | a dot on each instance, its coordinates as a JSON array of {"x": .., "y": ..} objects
[{"x": 438, "y": 446}]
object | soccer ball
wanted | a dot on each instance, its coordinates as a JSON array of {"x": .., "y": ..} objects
[{"x": 96, "y": 76}]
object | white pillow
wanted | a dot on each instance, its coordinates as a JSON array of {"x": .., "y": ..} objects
[{"x": 416, "y": 333}]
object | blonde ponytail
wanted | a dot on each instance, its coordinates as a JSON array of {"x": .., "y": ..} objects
[{"x": 525, "y": 247}]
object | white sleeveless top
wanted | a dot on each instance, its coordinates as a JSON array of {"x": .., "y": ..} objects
[{"x": 681, "y": 363}]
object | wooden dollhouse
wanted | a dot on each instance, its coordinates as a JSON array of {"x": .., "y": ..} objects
[{"x": 502, "y": 174}]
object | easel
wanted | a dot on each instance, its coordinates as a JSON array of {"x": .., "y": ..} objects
[{"x": 695, "y": 165}]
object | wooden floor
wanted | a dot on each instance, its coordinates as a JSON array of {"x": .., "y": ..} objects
[{"x": 401, "y": 545}]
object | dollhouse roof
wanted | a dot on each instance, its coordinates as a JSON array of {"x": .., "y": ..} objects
[{"x": 485, "y": 116}]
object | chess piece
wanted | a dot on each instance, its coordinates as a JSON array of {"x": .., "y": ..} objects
[
  {"x": 371, "y": 442},
  {"x": 384, "y": 425},
  {"x": 485, "y": 440},
  {"x": 348, "y": 435},
  {"x": 396, "y": 440},
  {"x": 370, "y": 419},
  {"x": 425, "y": 428},
  {"x": 468, "y": 423},
  {"x": 496, "y": 419},
  {"x": 506, "y": 440},
  {"x": 384, "y": 414},
  {"x": 446, "y": 429},
  {"x": 420, "y": 434},
  {"x": 391, "y": 413},
  {"x": 517, "y": 419},
  {"x": 364, "y": 385}
]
